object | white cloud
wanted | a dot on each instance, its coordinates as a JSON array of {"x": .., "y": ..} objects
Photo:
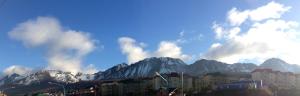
[
  {"x": 225, "y": 33},
  {"x": 237, "y": 17},
  {"x": 21, "y": 70},
  {"x": 36, "y": 32},
  {"x": 271, "y": 10},
  {"x": 135, "y": 52},
  {"x": 90, "y": 69},
  {"x": 66, "y": 48},
  {"x": 170, "y": 49},
  {"x": 273, "y": 37}
]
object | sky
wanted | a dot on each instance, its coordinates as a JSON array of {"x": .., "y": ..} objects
[{"x": 89, "y": 36}]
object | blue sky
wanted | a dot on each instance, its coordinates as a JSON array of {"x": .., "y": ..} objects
[{"x": 149, "y": 22}]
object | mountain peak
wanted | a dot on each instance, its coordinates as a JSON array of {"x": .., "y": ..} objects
[
  {"x": 274, "y": 60},
  {"x": 164, "y": 60},
  {"x": 277, "y": 64},
  {"x": 206, "y": 61}
]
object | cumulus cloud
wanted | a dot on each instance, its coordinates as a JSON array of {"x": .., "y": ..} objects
[
  {"x": 267, "y": 36},
  {"x": 236, "y": 17},
  {"x": 135, "y": 52},
  {"x": 170, "y": 49},
  {"x": 21, "y": 70},
  {"x": 65, "y": 47},
  {"x": 271, "y": 10}
]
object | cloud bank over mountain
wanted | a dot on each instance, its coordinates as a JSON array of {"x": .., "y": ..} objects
[
  {"x": 17, "y": 69},
  {"x": 256, "y": 35},
  {"x": 135, "y": 50},
  {"x": 65, "y": 47}
]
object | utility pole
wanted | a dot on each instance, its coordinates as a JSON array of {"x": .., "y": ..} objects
[{"x": 182, "y": 83}]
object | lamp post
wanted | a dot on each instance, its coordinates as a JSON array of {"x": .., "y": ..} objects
[
  {"x": 64, "y": 90},
  {"x": 163, "y": 78},
  {"x": 172, "y": 92},
  {"x": 94, "y": 90}
]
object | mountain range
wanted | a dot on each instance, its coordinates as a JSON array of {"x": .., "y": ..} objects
[{"x": 145, "y": 68}]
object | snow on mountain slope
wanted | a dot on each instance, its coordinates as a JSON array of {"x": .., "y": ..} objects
[
  {"x": 145, "y": 68},
  {"x": 85, "y": 77},
  {"x": 46, "y": 75},
  {"x": 10, "y": 79},
  {"x": 204, "y": 66}
]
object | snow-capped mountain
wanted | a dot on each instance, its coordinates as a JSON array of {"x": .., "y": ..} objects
[
  {"x": 280, "y": 65},
  {"x": 85, "y": 77},
  {"x": 109, "y": 72},
  {"x": 204, "y": 66},
  {"x": 242, "y": 67},
  {"x": 145, "y": 68},
  {"x": 45, "y": 76},
  {"x": 148, "y": 67},
  {"x": 10, "y": 79}
]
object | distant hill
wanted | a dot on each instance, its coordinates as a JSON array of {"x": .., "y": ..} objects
[{"x": 280, "y": 65}]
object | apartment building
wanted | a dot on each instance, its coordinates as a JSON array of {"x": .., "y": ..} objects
[{"x": 280, "y": 80}]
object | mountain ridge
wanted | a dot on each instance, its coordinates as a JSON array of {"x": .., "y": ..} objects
[{"x": 147, "y": 68}]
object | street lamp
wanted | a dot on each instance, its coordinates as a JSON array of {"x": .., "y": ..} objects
[
  {"x": 64, "y": 90},
  {"x": 173, "y": 92},
  {"x": 163, "y": 78},
  {"x": 94, "y": 90}
]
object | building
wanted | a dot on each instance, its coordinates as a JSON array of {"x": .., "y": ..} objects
[
  {"x": 147, "y": 86},
  {"x": 111, "y": 88},
  {"x": 240, "y": 85},
  {"x": 277, "y": 79},
  {"x": 213, "y": 80},
  {"x": 174, "y": 81},
  {"x": 297, "y": 80}
]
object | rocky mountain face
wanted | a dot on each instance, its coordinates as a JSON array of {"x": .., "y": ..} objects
[
  {"x": 147, "y": 68},
  {"x": 204, "y": 66}
]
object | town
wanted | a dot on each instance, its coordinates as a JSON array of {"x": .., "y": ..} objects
[
  {"x": 261, "y": 82},
  {"x": 149, "y": 48}
]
